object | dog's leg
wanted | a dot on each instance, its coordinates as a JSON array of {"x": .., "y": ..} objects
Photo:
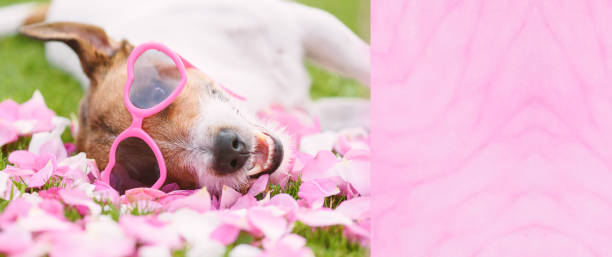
[
  {"x": 329, "y": 43},
  {"x": 337, "y": 113}
]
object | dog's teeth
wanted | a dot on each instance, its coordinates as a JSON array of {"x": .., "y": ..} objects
[
  {"x": 271, "y": 146},
  {"x": 255, "y": 170}
]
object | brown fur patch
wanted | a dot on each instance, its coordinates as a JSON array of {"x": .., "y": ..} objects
[{"x": 38, "y": 15}]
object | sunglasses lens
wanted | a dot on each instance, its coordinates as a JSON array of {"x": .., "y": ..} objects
[
  {"x": 155, "y": 78},
  {"x": 135, "y": 166}
]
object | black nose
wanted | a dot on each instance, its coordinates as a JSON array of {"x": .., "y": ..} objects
[{"x": 230, "y": 152}]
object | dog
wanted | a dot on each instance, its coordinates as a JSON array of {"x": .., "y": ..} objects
[{"x": 253, "y": 48}]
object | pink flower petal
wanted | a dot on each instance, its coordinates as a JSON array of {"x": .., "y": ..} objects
[
  {"x": 228, "y": 197},
  {"x": 199, "y": 201},
  {"x": 315, "y": 191},
  {"x": 43, "y": 160},
  {"x": 357, "y": 173},
  {"x": 144, "y": 206},
  {"x": 259, "y": 185},
  {"x": 48, "y": 144},
  {"x": 322, "y": 217},
  {"x": 320, "y": 166},
  {"x": 240, "y": 221},
  {"x": 290, "y": 241},
  {"x": 16, "y": 208},
  {"x": 14, "y": 240},
  {"x": 41, "y": 177},
  {"x": 94, "y": 173},
  {"x": 141, "y": 193},
  {"x": 312, "y": 144},
  {"x": 101, "y": 236},
  {"x": 284, "y": 202},
  {"x": 70, "y": 148},
  {"x": 358, "y": 154},
  {"x": 359, "y": 232},
  {"x": 225, "y": 234},
  {"x": 36, "y": 109},
  {"x": 104, "y": 192},
  {"x": 245, "y": 250},
  {"x": 150, "y": 231},
  {"x": 23, "y": 159},
  {"x": 10, "y": 110},
  {"x": 75, "y": 168},
  {"x": 51, "y": 193},
  {"x": 356, "y": 208},
  {"x": 8, "y": 133},
  {"x": 53, "y": 207},
  {"x": 289, "y": 245},
  {"x": 78, "y": 197},
  {"x": 244, "y": 202},
  {"x": 351, "y": 139},
  {"x": 273, "y": 227},
  {"x": 300, "y": 161},
  {"x": 41, "y": 221},
  {"x": 17, "y": 172},
  {"x": 174, "y": 195}
]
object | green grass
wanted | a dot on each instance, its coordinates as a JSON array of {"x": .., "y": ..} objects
[
  {"x": 24, "y": 69},
  {"x": 329, "y": 241}
]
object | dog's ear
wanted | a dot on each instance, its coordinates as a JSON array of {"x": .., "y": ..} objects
[{"x": 94, "y": 48}]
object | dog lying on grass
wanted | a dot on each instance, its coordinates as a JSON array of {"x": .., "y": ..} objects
[{"x": 254, "y": 48}]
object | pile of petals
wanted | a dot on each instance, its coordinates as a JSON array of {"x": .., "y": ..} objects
[{"x": 54, "y": 204}]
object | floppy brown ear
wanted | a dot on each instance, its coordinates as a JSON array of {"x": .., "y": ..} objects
[{"x": 94, "y": 48}]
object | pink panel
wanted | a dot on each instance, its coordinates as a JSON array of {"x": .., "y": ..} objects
[{"x": 492, "y": 128}]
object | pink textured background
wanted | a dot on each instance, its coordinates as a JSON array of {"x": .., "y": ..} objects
[{"x": 492, "y": 128}]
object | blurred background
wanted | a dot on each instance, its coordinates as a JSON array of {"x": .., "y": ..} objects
[{"x": 23, "y": 67}]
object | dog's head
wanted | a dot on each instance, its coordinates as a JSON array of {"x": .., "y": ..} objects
[{"x": 204, "y": 138}]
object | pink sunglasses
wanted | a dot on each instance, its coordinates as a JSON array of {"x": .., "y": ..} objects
[
  {"x": 156, "y": 76},
  {"x": 148, "y": 91}
]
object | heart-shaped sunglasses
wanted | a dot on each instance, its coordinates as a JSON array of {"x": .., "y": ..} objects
[{"x": 155, "y": 77}]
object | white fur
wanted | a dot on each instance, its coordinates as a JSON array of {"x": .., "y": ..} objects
[
  {"x": 254, "y": 47},
  {"x": 12, "y": 17}
]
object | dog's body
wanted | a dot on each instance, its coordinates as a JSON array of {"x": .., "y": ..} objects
[{"x": 254, "y": 48}]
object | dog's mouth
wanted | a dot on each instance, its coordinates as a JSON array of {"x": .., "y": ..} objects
[{"x": 267, "y": 156}]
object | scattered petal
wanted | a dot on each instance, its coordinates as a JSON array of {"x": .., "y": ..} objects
[
  {"x": 225, "y": 234},
  {"x": 320, "y": 166},
  {"x": 259, "y": 185},
  {"x": 322, "y": 218},
  {"x": 244, "y": 250},
  {"x": 228, "y": 197},
  {"x": 41, "y": 177},
  {"x": 150, "y": 231},
  {"x": 199, "y": 201},
  {"x": 271, "y": 226}
]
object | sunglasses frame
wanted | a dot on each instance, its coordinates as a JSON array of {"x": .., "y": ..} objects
[{"x": 138, "y": 115}]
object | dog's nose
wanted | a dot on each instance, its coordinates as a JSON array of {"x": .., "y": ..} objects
[{"x": 230, "y": 152}]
